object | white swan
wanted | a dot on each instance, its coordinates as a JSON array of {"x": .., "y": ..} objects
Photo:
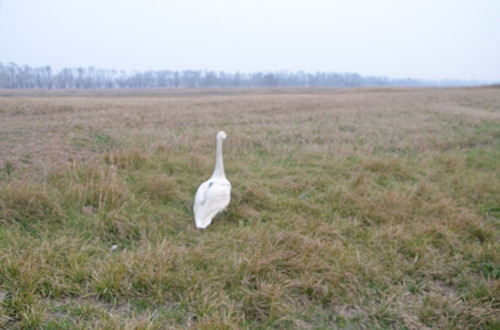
[{"x": 213, "y": 195}]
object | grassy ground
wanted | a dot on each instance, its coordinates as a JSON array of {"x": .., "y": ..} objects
[{"x": 368, "y": 208}]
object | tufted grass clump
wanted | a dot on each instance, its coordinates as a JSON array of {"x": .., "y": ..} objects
[
  {"x": 27, "y": 203},
  {"x": 368, "y": 208}
]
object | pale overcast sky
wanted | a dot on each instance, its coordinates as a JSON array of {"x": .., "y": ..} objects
[{"x": 428, "y": 39}]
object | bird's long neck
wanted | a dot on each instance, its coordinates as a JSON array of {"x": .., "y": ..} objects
[{"x": 219, "y": 163}]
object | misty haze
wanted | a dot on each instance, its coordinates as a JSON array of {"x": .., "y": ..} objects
[
  {"x": 358, "y": 185},
  {"x": 25, "y": 77}
]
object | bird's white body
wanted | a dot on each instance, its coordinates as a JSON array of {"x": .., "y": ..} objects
[{"x": 213, "y": 195}]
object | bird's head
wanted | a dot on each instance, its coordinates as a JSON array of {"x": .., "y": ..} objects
[{"x": 222, "y": 135}]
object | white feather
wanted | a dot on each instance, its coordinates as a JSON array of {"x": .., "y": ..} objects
[{"x": 213, "y": 195}]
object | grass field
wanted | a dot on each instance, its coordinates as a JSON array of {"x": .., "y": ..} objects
[{"x": 356, "y": 208}]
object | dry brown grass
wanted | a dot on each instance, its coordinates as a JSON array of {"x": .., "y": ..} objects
[
  {"x": 360, "y": 208},
  {"x": 42, "y": 130}
]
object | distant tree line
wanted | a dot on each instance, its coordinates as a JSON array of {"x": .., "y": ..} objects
[{"x": 13, "y": 76}]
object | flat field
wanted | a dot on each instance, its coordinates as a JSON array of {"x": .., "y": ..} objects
[{"x": 351, "y": 208}]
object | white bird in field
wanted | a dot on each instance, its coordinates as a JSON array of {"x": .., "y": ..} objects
[{"x": 213, "y": 195}]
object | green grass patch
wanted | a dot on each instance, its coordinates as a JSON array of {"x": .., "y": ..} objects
[{"x": 403, "y": 237}]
